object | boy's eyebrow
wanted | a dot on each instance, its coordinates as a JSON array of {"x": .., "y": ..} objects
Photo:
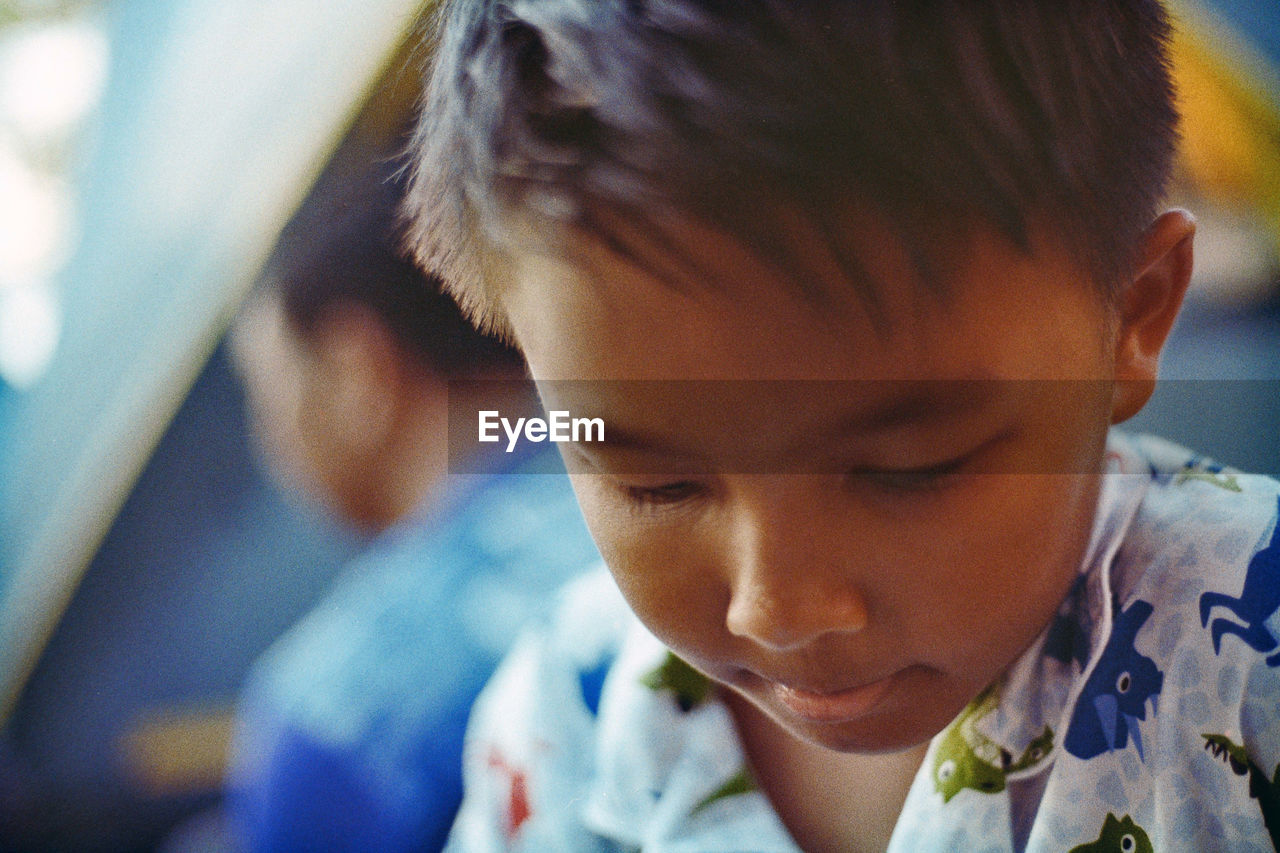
[
  {"x": 922, "y": 401},
  {"x": 916, "y": 402}
]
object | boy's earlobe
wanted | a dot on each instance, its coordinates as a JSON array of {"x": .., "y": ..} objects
[{"x": 1148, "y": 309}]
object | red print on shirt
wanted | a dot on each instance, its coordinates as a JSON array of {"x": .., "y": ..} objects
[{"x": 518, "y": 809}]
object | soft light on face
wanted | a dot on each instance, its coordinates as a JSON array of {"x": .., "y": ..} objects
[
  {"x": 284, "y": 381},
  {"x": 938, "y": 525},
  {"x": 271, "y": 363}
]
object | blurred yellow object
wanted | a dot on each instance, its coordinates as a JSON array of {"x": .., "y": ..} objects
[
  {"x": 179, "y": 752},
  {"x": 1231, "y": 118}
]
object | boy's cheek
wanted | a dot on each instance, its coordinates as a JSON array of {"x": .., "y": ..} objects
[{"x": 663, "y": 571}]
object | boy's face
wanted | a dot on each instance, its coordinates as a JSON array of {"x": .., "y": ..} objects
[{"x": 862, "y": 606}]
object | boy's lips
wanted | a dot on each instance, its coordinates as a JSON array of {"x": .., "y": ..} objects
[{"x": 830, "y": 707}]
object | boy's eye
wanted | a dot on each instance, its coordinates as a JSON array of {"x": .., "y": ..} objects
[
  {"x": 908, "y": 479},
  {"x": 663, "y": 494}
]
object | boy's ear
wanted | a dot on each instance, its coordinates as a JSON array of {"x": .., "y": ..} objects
[{"x": 1148, "y": 308}]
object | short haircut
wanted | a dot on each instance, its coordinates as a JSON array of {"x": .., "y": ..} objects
[
  {"x": 608, "y": 116},
  {"x": 347, "y": 248}
]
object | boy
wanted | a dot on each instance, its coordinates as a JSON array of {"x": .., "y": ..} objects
[
  {"x": 350, "y": 732},
  {"x": 899, "y": 589}
]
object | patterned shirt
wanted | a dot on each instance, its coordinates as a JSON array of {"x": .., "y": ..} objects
[{"x": 1146, "y": 716}]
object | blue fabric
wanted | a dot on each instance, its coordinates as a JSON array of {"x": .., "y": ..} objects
[{"x": 351, "y": 727}]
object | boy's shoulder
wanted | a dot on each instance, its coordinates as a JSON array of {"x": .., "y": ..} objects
[
  {"x": 528, "y": 747},
  {"x": 592, "y": 735},
  {"x": 1180, "y": 694},
  {"x": 1194, "y": 525},
  {"x": 1203, "y": 555}
]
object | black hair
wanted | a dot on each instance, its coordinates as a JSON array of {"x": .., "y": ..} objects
[
  {"x": 608, "y": 116},
  {"x": 348, "y": 249}
]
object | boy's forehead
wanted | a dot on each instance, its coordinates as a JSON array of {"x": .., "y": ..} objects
[
  {"x": 695, "y": 302},
  {"x": 593, "y": 313}
]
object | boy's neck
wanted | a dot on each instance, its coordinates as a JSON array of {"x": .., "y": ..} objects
[{"x": 828, "y": 800}]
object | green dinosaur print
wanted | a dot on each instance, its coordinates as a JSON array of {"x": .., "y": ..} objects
[
  {"x": 1265, "y": 791},
  {"x": 966, "y": 758},
  {"x": 741, "y": 782},
  {"x": 1219, "y": 478},
  {"x": 1120, "y": 835},
  {"x": 690, "y": 687}
]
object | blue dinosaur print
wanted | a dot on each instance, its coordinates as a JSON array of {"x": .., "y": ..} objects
[
  {"x": 1115, "y": 696},
  {"x": 591, "y": 683},
  {"x": 1258, "y": 600}
]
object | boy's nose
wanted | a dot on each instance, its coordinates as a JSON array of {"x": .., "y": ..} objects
[
  {"x": 782, "y": 620},
  {"x": 787, "y": 587}
]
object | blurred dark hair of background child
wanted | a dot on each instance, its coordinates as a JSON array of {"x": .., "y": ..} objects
[{"x": 346, "y": 349}]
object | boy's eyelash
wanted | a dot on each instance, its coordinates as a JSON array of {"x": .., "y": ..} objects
[
  {"x": 889, "y": 479},
  {"x": 663, "y": 495},
  {"x": 909, "y": 479}
]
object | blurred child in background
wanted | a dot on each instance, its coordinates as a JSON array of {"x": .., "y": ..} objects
[{"x": 350, "y": 728}]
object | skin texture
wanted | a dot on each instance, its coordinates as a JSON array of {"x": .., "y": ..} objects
[{"x": 944, "y": 525}]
